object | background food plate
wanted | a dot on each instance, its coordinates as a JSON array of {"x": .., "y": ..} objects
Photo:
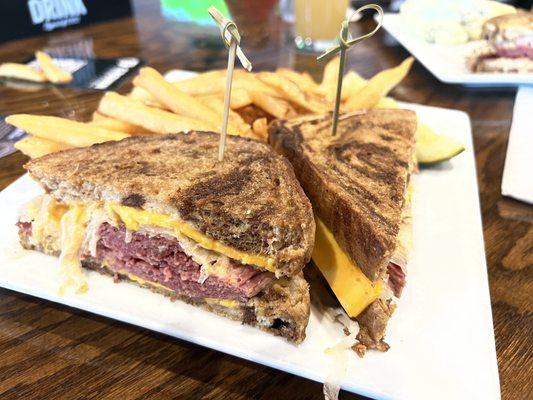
[
  {"x": 448, "y": 63},
  {"x": 441, "y": 336}
]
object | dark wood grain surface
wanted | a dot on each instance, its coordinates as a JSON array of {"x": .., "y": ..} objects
[{"x": 52, "y": 351}]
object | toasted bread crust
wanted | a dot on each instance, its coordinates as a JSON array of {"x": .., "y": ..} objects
[
  {"x": 480, "y": 63},
  {"x": 508, "y": 26},
  {"x": 373, "y": 324},
  {"x": 355, "y": 180},
  {"x": 282, "y": 309},
  {"x": 251, "y": 201}
]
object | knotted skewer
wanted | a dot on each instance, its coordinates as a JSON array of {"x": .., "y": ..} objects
[
  {"x": 232, "y": 39},
  {"x": 344, "y": 43}
]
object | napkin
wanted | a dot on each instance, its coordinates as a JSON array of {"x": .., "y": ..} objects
[{"x": 517, "y": 179}]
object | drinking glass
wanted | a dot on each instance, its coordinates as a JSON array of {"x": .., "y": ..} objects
[{"x": 317, "y": 23}]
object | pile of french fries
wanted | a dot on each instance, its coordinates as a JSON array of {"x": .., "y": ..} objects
[{"x": 157, "y": 106}]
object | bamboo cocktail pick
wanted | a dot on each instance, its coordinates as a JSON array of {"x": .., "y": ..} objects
[
  {"x": 345, "y": 42},
  {"x": 232, "y": 39}
]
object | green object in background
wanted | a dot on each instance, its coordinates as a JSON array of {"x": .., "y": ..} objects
[{"x": 192, "y": 10}]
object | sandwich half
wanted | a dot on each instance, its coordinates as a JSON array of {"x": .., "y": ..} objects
[
  {"x": 509, "y": 45},
  {"x": 357, "y": 182},
  {"x": 231, "y": 237}
]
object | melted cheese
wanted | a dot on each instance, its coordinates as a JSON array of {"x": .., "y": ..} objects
[
  {"x": 134, "y": 218},
  {"x": 72, "y": 237},
  {"x": 143, "y": 282},
  {"x": 223, "y": 302},
  {"x": 351, "y": 286}
]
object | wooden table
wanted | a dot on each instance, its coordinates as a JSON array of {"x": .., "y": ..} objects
[{"x": 51, "y": 351}]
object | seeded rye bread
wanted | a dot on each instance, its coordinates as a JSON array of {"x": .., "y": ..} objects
[
  {"x": 251, "y": 201},
  {"x": 356, "y": 180},
  {"x": 282, "y": 309}
]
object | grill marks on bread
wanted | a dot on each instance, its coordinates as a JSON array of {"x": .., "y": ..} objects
[
  {"x": 133, "y": 200},
  {"x": 373, "y": 172},
  {"x": 205, "y": 205}
]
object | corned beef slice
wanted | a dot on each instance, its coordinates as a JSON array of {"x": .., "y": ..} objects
[
  {"x": 396, "y": 278},
  {"x": 161, "y": 259}
]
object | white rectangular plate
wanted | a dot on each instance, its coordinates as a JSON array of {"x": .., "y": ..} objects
[
  {"x": 448, "y": 63},
  {"x": 441, "y": 336}
]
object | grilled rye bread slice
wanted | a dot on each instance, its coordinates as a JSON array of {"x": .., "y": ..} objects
[
  {"x": 281, "y": 309},
  {"x": 251, "y": 201},
  {"x": 357, "y": 179}
]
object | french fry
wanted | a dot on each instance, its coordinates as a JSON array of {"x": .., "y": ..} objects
[
  {"x": 135, "y": 112},
  {"x": 386, "y": 102},
  {"x": 138, "y": 93},
  {"x": 329, "y": 92},
  {"x": 21, "y": 71},
  {"x": 235, "y": 122},
  {"x": 252, "y": 82},
  {"x": 331, "y": 73},
  {"x": 378, "y": 86},
  {"x": 176, "y": 100},
  {"x": 214, "y": 82},
  {"x": 35, "y": 147},
  {"x": 273, "y": 105},
  {"x": 260, "y": 128},
  {"x": 61, "y": 130},
  {"x": 52, "y": 71},
  {"x": 117, "y": 125},
  {"x": 98, "y": 116},
  {"x": 204, "y": 84},
  {"x": 292, "y": 92},
  {"x": 239, "y": 98},
  {"x": 243, "y": 82},
  {"x": 351, "y": 84},
  {"x": 303, "y": 81}
]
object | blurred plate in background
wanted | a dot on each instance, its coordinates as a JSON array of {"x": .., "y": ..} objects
[{"x": 448, "y": 63}]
